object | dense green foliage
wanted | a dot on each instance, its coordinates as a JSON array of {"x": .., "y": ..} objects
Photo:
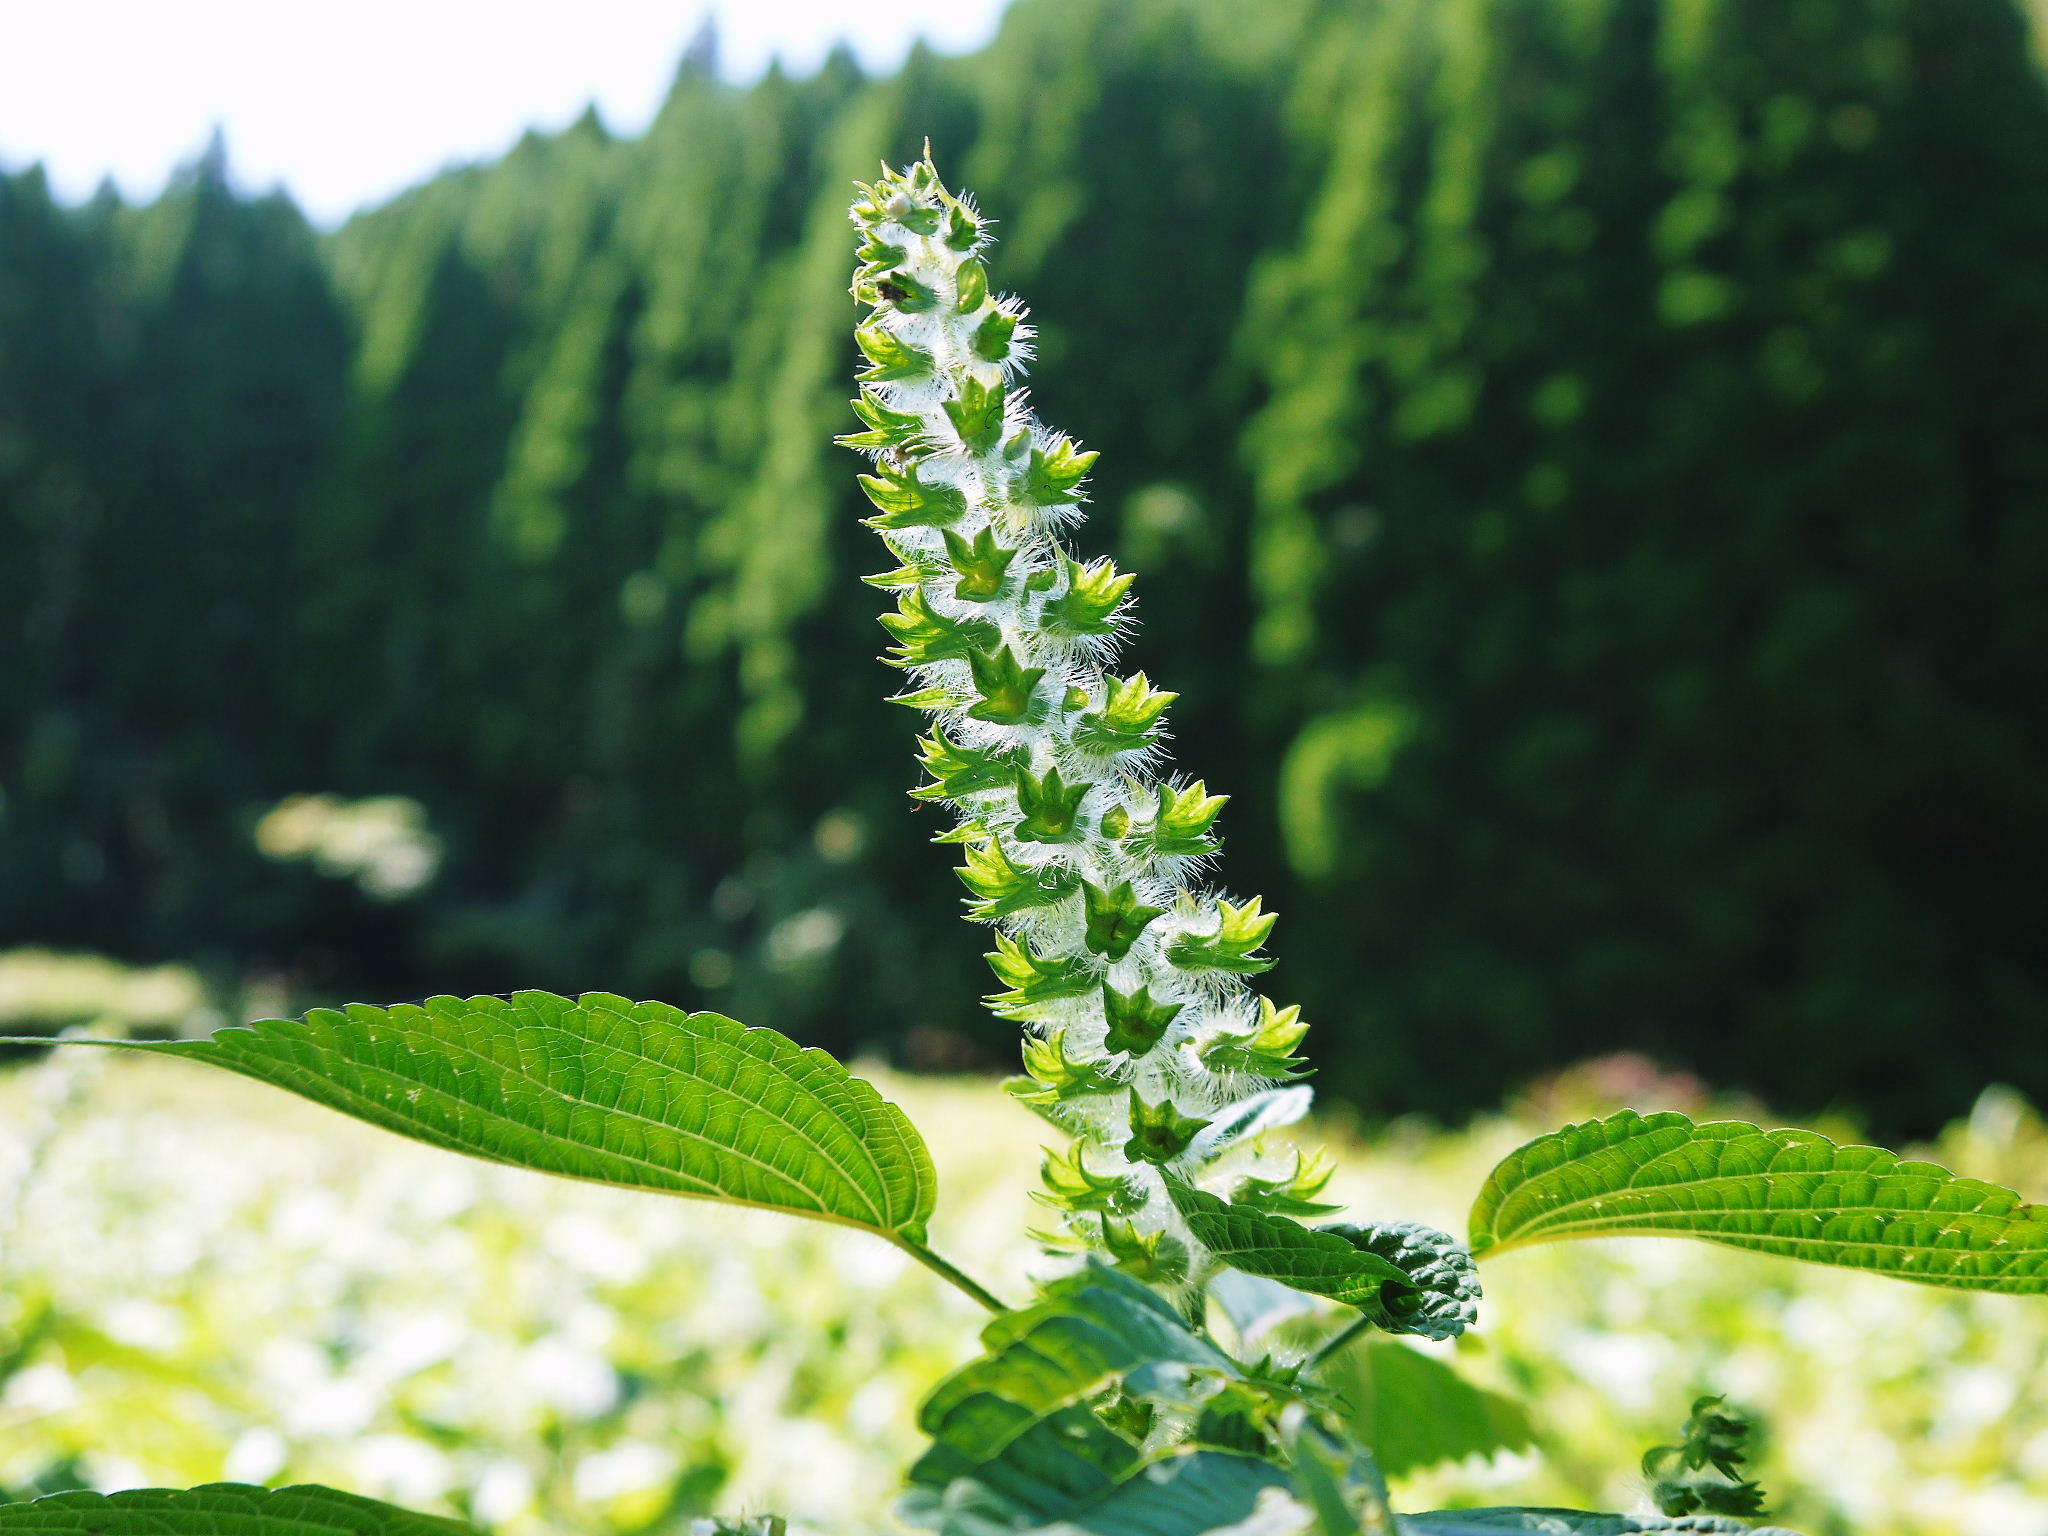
[
  {"x": 549, "y": 1358},
  {"x": 1594, "y": 516}
]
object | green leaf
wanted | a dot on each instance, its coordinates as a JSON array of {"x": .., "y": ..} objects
[
  {"x": 640, "y": 1095},
  {"x": 1184, "y": 1493},
  {"x": 1414, "y": 1411},
  {"x": 1787, "y": 1192},
  {"x": 1321, "y": 1263},
  {"x": 1446, "y": 1299},
  {"x": 1569, "y": 1522},
  {"x": 1085, "y": 1333},
  {"x": 218, "y": 1509},
  {"x": 1017, "y": 1445}
]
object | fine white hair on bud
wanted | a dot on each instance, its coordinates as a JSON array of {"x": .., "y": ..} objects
[{"x": 1144, "y": 1042}]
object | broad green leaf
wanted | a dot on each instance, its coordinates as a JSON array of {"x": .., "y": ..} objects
[
  {"x": 1413, "y": 1410},
  {"x": 1432, "y": 1294},
  {"x": 1786, "y": 1192},
  {"x": 1571, "y": 1522},
  {"x": 1019, "y": 1443},
  {"x": 1087, "y": 1332},
  {"x": 640, "y": 1095},
  {"x": 220, "y": 1509}
]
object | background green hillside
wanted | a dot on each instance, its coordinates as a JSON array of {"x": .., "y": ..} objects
[{"x": 1586, "y": 460}]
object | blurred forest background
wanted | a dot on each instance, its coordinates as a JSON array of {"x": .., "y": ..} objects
[{"x": 1587, "y": 462}]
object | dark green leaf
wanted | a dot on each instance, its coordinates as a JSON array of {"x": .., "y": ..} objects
[
  {"x": 1321, "y": 1263},
  {"x": 1446, "y": 1298}
]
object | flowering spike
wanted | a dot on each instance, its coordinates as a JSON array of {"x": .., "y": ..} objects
[{"x": 1146, "y": 1044}]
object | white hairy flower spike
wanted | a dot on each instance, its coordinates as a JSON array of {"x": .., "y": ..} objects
[{"x": 1144, "y": 1042}]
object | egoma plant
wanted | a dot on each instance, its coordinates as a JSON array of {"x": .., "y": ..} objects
[{"x": 1120, "y": 1399}]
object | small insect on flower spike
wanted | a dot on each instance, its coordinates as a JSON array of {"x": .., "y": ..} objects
[{"x": 1145, "y": 1044}]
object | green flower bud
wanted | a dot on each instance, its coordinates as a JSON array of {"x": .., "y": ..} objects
[
  {"x": 980, "y": 565},
  {"x": 1115, "y": 918},
  {"x": 1006, "y": 888},
  {"x": 1159, "y": 1132},
  {"x": 1006, "y": 687},
  {"x": 924, "y": 635},
  {"x": 1239, "y": 931},
  {"x": 1051, "y": 807},
  {"x": 1127, "y": 719},
  {"x": 1136, "y": 1023}
]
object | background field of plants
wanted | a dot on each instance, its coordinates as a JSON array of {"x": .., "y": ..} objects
[
  {"x": 201, "y": 1279},
  {"x": 1586, "y": 459}
]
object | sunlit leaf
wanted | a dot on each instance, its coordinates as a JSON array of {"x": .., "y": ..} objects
[
  {"x": 1787, "y": 1192},
  {"x": 640, "y": 1095},
  {"x": 220, "y": 1509}
]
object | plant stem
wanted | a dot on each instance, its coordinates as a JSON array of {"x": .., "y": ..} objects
[
  {"x": 953, "y": 1276},
  {"x": 1358, "y": 1325}
]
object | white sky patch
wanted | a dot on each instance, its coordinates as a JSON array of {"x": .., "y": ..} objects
[{"x": 344, "y": 105}]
